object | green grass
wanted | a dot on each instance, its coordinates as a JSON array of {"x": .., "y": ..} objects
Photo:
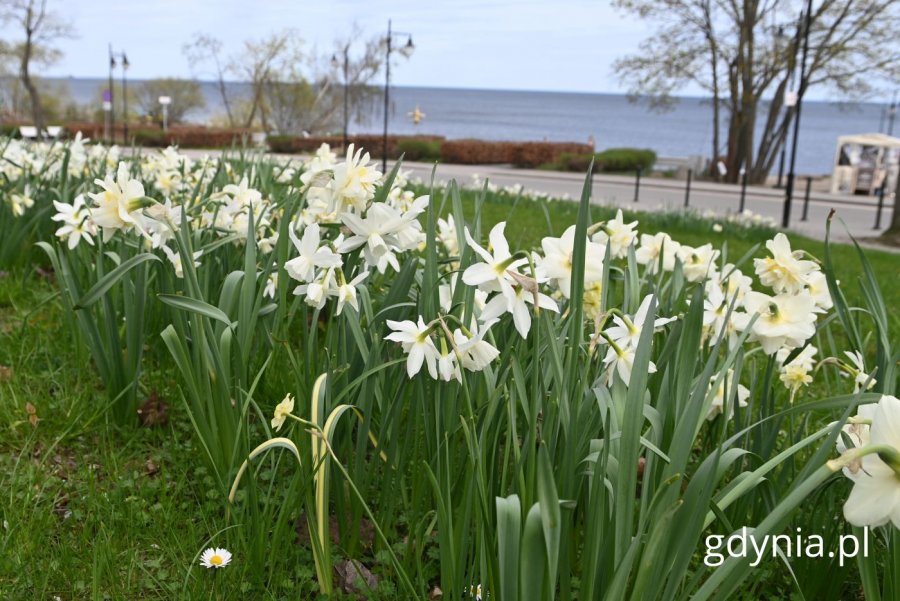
[{"x": 90, "y": 511}]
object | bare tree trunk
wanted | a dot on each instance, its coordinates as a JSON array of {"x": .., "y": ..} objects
[
  {"x": 893, "y": 230},
  {"x": 714, "y": 64},
  {"x": 224, "y": 94},
  {"x": 36, "y": 110}
]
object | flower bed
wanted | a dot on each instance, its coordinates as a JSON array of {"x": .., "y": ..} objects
[{"x": 584, "y": 418}]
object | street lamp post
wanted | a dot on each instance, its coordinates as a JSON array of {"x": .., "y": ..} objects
[
  {"x": 112, "y": 104},
  {"x": 125, "y": 97},
  {"x": 789, "y": 188},
  {"x": 406, "y": 51},
  {"x": 892, "y": 114},
  {"x": 346, "y": 70},
  {"x": 112, "y": 117}
]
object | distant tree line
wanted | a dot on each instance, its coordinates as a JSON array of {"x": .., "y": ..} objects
[{"x": 288, "y": 89}]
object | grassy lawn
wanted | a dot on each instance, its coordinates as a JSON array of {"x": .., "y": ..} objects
[{"x": 92, "y": 511}]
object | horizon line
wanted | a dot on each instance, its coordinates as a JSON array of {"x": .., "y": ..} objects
[{"x": 471, "y": 89}]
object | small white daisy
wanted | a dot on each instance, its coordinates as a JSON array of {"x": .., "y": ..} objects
[{"x": 215, "y": 558}]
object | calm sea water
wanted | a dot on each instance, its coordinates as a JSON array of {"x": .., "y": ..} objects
[{"x": 610, "y": 118}]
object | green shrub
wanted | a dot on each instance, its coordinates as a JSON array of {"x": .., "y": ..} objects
[
  {"x": 534, "y": 154},
  {"x": 617, "y": 160},
  {"x": 573, "y": 161},
  {"x": 9, "y": 130},
  {"x": 150, "y": 137},
  {"x": 418, "y": 149}
]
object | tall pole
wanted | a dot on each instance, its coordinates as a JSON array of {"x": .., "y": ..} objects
[
  {"x": 346, "y": 99},
  {"x": 125, "y": 97},
  {"x": 892, "y": 113},
  {"x": 112, "y": 104},
  {"x": 789, "y": 189},
  {"x": 387, "y": 92}
]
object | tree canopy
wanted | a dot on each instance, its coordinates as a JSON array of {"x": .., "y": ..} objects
[{"x": 742, "y": 52}]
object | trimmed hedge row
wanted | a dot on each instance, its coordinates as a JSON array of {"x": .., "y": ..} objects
[
  {"x": 184, "y": 137},
  {"x": 613, "y": 160},
  {"x": 565, "y": 156},
  {"x": 372, "y": 143},
  {"x": 432, "y": 148}
]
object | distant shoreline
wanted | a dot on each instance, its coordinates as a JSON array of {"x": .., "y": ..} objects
[{"x": 678, "y": 97}]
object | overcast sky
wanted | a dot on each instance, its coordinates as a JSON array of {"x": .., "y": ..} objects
[
  {"x": 566, "y": 45},
  {"x": 553, "y": 45}
]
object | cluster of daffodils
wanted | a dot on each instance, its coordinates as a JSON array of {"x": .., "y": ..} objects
[
  {"x": 20, "y": 202},
  {"x": 342, "y": 217},
  {"x": 780, "y": 318},
  {"x": 351, "y": 226},
  {"x": 746, "y": 218},
  {"x": 182, "y": 190},
  {"x": 35, "y": 165},
  {"x": 45, "y": 161},
  {"x": 478, "y": 183},
  {"x": 463, "y": 348}
]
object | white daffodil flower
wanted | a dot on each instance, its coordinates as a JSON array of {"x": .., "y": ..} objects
[
  {"x": 447, "y": 235},
  {"x": 354, "y": 181},
  {"x": 271, "y": 285},
  {"x": 627, "y": 331},
  {"x": 731, "y": 282},
  {"x": 621, "y": 361},
  {"x": 515, "y": 300},
  {"x": 716, "y": 317},
  {"x": 119, "y": 206},
  {"x": 698, "y": 263},
  {"x": 282, "y": 409},
  {"x": 474, "y": 352},
  {"x": 242, "y": 196},
  {"x": 376, "y": 231},
  {"x": 857, "y": 369},
  {"x": 719, "y": 405},
  {"x": 785, "y": 320},
  {"x": 858, "y": 434},
  {"x": 319, "y": 289},
  {"x": 311, "y": 255},
  {"x": 556, "y": 265},
  {"x": 817, "y": 286},
  {"x": 416, "y": 341},
  {"x": 618, "y": 235},
  {"x": 175, "y": 259},
  {"x": 19, "y": 203},
  {"x": 655, "y": 249},
  {"x": 346, "y": 292},
  {"x": 77, "y": 225},
  {"x": 875, "y": 498},
  {"x": 492, "y": 274},
  {"x": 784, "y": 271},
  {"x": 795, "y": 374},
  {"x": 448, "y": 364}
]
